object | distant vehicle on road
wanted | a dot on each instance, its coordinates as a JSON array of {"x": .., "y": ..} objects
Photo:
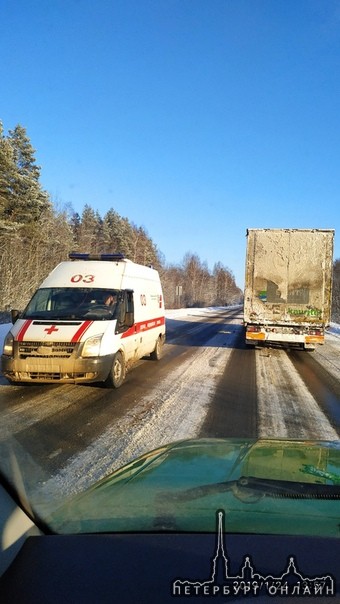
[{"x": 288, "y": 285}]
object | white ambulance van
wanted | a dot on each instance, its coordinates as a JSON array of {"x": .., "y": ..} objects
[{"x": 89, "y": 321}]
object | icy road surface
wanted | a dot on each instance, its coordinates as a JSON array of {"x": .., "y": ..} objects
[{"x": 207, "y": 384}]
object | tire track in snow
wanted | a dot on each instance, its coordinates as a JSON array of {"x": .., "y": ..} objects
[
  {"x": 286, "y": 408},
  {"x": 23, "y": 412},
  {"x": 328, "y": 355}
]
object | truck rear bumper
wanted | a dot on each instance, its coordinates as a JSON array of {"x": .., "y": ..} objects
[
  {"x": 56, "y": 370},
  {"x": 259, "y": 334}
]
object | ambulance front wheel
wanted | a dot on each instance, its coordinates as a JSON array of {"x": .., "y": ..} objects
[
  {"x": 117, "y": 374},
  {"x": 156, "y": 354}
]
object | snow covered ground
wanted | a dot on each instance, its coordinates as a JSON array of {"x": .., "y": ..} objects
[
  {"x": 177, "y": 406},
  {"x": 4, "y": 328}
]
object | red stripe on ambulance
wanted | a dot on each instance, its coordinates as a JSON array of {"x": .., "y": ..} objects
[
  {"x": 80, "y": 332},
  {"x": 23, "y": 330},
  {"x": 144, "y": 326}
]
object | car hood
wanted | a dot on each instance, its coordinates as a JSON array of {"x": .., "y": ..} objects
[{"x": 263, "y": 486}]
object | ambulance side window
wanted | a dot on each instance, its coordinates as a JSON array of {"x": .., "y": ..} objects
[
  {"x": 129, "y": 309},
  {"x": 125, "y": 314}
]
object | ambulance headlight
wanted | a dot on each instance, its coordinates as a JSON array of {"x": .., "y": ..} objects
[
  {"x": 92, "y": 346},
  {"x": 8, "y": 345}
]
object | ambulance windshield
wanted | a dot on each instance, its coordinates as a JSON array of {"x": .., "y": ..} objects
[{"x": 72, "y": 303}]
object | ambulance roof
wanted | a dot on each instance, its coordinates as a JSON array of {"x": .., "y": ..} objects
[{"x": 114, "y": 274}]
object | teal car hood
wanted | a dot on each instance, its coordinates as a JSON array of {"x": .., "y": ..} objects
[{"x": 262, "y": 486}]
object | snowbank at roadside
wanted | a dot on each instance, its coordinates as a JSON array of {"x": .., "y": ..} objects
[
  {"x": 4, "y": 329},
  {"x": 334, "y": 329},
  {"x": 184, "y": 312}
]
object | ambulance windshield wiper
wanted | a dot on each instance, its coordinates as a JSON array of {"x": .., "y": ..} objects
[{"x": 250, "y": 489}]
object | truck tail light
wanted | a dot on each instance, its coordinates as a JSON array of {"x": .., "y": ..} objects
[{"x": 315, "y": 332}]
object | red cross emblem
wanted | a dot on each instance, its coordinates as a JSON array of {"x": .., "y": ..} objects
[{"x": 51, "y": 329}]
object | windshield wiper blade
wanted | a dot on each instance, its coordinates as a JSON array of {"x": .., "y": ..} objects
[
  {"x": 250, "y": 488},
  {"x": 289, "y": 488}
]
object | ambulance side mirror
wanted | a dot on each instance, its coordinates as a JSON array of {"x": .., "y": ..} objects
[
  {"x": 121, "y": 312},
  {"x": 129, "y": 319},
  {"x": 15, "y": 314},
  {"x": 129, "y": 315}
]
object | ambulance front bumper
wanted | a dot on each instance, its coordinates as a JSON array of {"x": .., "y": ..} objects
[{"x": 56, "y": 370}]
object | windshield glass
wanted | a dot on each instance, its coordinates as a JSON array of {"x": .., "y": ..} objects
[{"x": 72, "y": 303}]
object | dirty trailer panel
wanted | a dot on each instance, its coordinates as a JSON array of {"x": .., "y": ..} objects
[{"x": 288, "y": 286}]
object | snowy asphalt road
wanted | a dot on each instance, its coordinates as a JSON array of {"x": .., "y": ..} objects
[{"x": 208, "y": 384}]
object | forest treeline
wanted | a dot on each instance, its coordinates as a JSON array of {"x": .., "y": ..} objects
[{"x": 35, "y": 235}]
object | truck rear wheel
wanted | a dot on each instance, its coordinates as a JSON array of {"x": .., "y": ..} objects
[
  {"x": 156, "y": 354},
  {"x": 118, "y": 370}
]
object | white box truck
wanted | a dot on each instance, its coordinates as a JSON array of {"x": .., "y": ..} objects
[
  {"x": 288, "y": 283},
  {"x": 91, "y": 319}
]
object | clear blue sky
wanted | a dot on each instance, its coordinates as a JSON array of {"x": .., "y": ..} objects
[{"x": 193, "y": 118}]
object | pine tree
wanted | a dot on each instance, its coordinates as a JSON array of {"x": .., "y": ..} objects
[
  {"x": 7, "y": 172},
  {"x": 75, "y": 223},
  {"x": 144, "y": 251},
  {"x": 88, "y": 230},
  {"x": 26, "y": 200},
  {"x": 120, "y": 233}
]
